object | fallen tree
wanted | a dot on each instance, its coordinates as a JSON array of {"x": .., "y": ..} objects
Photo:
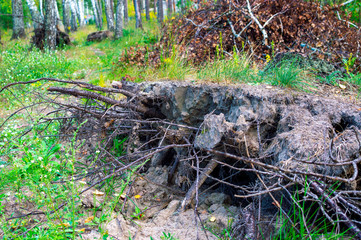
[{"x": 255, "y": 142}]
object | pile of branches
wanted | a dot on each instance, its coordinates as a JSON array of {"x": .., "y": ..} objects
[
  {"x": 137, "y": 118},
  {"x": 260, "y": 28}
]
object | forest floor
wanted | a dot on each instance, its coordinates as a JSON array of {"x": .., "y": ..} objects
[{"x": 39, "y": 195}]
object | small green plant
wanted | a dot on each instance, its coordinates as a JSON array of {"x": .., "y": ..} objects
[{"x": 168, "y": 236}]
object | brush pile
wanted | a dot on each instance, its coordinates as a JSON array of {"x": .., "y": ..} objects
[{"x": 261, "y": 28}]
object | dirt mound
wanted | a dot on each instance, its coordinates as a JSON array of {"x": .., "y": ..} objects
[{"x": 261, "y": 28}]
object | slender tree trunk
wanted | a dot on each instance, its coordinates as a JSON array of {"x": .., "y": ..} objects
[
  {"x": 109, "y": 15},
  {"x": 66, "y": 15},
  {"x": 126, "y": 16},
  {"x": 96, "y": 15},
  {"x": 41, "y": 8},
  {"x": 138, "y": 19},
  {"x": 140, "y": 4},
  {"x": 118, "y": 20},
  {"x": 81, "y": 13},
  {"x": 182, "y": 6},
  {"x": 155, "y": 7},
  {"x": 160, "y": 11},
  {"x": 38, "y": 21},
  {"x": 50, "y": 24},
  {"x": 147, "y": 15},
  {"x": 100, "y": 12},
  {"x": 59, "y": 23},
  {"x": 18, "y": 19},
  {"x": 169, "y": 8},
  {"x": 73, "y": 23}
]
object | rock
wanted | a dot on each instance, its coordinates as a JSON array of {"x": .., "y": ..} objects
[
  {"x": 166, "y": 213},
  {"x": 217, "y": 198}
]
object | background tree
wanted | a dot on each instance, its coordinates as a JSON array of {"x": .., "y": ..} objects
[
  {"x": 36, "y": 17},
  {"x": 147, "y": 15},
  {"x": 73, "y": 10},
  {"x": 18, "y": 19},
  {"x": 109, "y": 15},
  {"x": 118, "y": 21},
  {"x": 169, "y": 8},
  {"x": 66, "y": 15},
  {"x": 160, "y": 11},
  {"x": 96, "y": 14},
  {"x": 126, "y": 16},
  {"x": 81, "y": 18},
  {"x": 50, "y": 24},
  {"x": 138, "y": 18}
]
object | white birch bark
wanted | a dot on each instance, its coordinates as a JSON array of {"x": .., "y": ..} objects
[
  {"x": 138, "y": 19},
  {"x": 81, "y": 12},
  {"x": 109, "y": 15},
  {"x": 50, "y": 24},
  {"x": 95, "y": 13},
  {"x": 59, "y": 23},
  {"x": 18, "y": 19},
  {"x": 66, "y": 15},
  {"x": 118, "y": 20},
  {"x": 37, "y": 19},
  {"x": 73, "y": 23},
  {"x": 41, "y": 8}
]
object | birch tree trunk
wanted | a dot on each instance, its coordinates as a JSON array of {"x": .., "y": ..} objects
[
  {"x": 50, "y": 24},
  {"x": 138, "y": 19},
  {"x": 73, "y": 23},
  {"x": 59, "y": 23},
  {"x": 140, "y": 4},
  {"x": 126, "y": 16},
  {"x": 100, "y": 12},
  {"x": 37, "y": 19},
  {"x": 109, "y": 15},
  {"x": 160, "y": 11},
  {"x": 118, "y": 20},
  {"x": 147, "y": 15},
  {"x": 96, "y": 15},
  {"x": 41, "y": 9},
  {"x": 155, "y": 7},
  {"x": 81, "y": 13},
  {"x": 66, "y": 15},
  {"x": 169, "y": 8},
  {"x": 18, "y": 19}
]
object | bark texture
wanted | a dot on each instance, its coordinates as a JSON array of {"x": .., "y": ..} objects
[
  {"x": 147, "y": 15},
  {"x": 118, "y": 20},
  {"x": 50, "y": 24},
  {"x": 109, "y": 15},
  {"x": 81, "y": 13},
  {"x": 73, "y": 22},
  {"x": 138, "y": 19},
  {"x": 18, "y": 19},
  {"x": 96, "y": 14},
  {"x": 160, "y": 11},
  {"x": 37, "y": 19},
  {"x": 126, "y": 16},
  {"x": 66, "y": 15}
]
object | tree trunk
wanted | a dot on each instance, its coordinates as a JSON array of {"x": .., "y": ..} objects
[
  {"x": 59, "y": 23},
  {"x": 50, "y": 24},
  {"x": 138, "y": 19},
  {"x": 66, "y": 15},
  {"x": 95, "y": 13},
  {"x": 126, "y": 16},
  {"x": 140, "y": 4},
  {"x": 147, "y": 15},
  {"x": 155, "y": 7},
  {"x": 18, "y": 19},
  {"x": 73, "y": 23},
  {"x": 100, "y": 12},
  {"x": 109, "y": 15},
  {"x": 41, "y": 9},
  {"x": 118, "y": 20},
  {"x": 160, "y": 11},
  {"x": 81, "y": 13},
  {"x": 169, "y": 8},
  {"x": 37, "y": 19}
]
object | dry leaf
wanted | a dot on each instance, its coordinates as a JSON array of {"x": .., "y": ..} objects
[
  {"x": 212, "y": 219},
  {"x": 89, "y": 219},
  {"x": 342, "y": 86}
]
